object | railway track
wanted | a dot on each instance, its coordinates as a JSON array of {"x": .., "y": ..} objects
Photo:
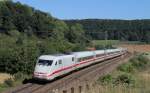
[
  {"x": 86, "y": 74},
  {"x": 26, "y": 88}
]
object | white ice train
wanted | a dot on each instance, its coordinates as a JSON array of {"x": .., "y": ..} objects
[{"x": 49, "y": 67}]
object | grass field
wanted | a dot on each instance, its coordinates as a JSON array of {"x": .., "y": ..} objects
[
  {"x": 105, "y": 42},
  {"x": 132, "y": 46}
]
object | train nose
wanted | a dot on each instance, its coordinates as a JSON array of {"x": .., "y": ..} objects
[
  {"x": 41, "y": 72},
  {"x": 42, "y": 69},
  {"x": 40, "y": 75}
]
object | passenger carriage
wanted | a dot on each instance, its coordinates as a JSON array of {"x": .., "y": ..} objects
[{"x": 49, "y": 67}]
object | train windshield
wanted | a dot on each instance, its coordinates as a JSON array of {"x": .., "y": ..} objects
[{"x": 45, "y": 62}]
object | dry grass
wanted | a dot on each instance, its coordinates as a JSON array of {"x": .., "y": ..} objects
[
  {"x": 137, "y": 48},
  {"x": 142, "y": 86},
  {"x": 3, "y": 77}
]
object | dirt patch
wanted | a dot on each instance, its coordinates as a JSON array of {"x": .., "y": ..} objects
[
  {"x": 137, "y": 48},
  {"x": 3, "y": 77}
]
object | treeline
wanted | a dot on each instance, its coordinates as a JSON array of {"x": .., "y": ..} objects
[
  {"x": 26, "y": 33},
  {"x": 129, "y": 30},
  {"x": 15, "y": 16}
]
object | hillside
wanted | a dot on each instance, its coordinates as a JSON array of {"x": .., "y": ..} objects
[
  {"x": 26, "y": 33},
  {"x": 127, "y": 30}
]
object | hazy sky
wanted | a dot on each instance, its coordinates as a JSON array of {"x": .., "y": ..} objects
[{"x": 102, "y": 9}]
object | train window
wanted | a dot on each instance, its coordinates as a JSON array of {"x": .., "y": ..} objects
[
  {"x": 60, "y": 61},
  {"x": 72, "y": 58},
  {"x": 98, "y": 55},
  {"x": 79, "y": 59},
  {"x": 45, "y": 62},
  {"x": 56, "y": 63}
]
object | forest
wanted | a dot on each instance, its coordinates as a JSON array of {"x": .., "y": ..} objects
[
  {"x": 26, "y": 33},
  {"x": 124, "y": 30}
]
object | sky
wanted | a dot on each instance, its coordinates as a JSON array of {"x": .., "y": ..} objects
[{"x": 93, "y": 9}]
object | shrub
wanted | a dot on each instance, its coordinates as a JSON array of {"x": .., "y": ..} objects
[
  {"x": 106, "y": 79},
  {"x": 139, "y": 62},
  {"x": 135, "y": 62},
  {"x": 127, "y": 67},
  {"x": 9, "y": 82},
  {"x": 124, "y": 79},
  {"x": 19, "y": 76},
  {"x": 143, "y": 59}
]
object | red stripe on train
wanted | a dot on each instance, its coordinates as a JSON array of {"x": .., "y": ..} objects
[
  {"x": 80, "y": 63},
  {"x": 69, "y": 67}
]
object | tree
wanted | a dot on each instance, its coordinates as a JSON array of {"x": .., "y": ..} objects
[
  {"x": 75, "y": 34},
  {"x": 0, "y": 23}
]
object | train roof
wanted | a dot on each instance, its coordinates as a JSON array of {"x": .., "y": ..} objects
[
  {"x": 54, "y": 56},
  {"x": 78, "y": 54},
  {"x": 99, "y": 51},
  {"x": 83, "y": 53},
  {"x": 113, "y": 50}
]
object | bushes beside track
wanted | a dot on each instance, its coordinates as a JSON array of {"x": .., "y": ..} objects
[
  {"x": 125, "y": 74},
  {"x": 138, "y": 62}
]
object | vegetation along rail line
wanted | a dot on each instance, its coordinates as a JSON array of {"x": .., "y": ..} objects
[
  {"x": 87, "y": 74},
  {"x": 83, "y": 74}
]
